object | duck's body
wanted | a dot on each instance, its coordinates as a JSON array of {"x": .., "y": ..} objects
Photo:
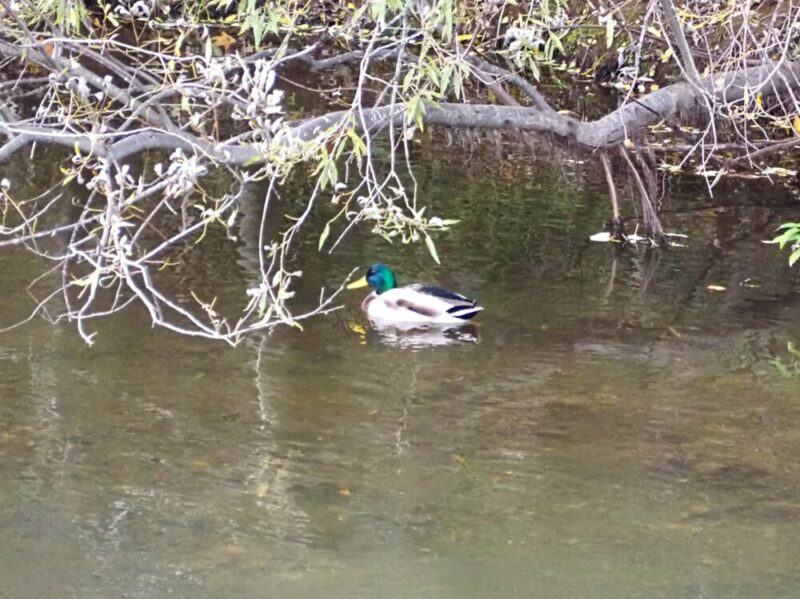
[{"x": 412, "y": 304}]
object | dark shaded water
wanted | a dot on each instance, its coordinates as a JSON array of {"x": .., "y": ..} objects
[{"x": 616, "y": 429}]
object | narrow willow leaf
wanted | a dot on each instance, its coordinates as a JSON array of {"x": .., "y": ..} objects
[
  {"x": 610, "y": 31},
  {"x": 359, "y": 147},
  {"x": 431, "y": 248},
  {"x": 324, "y": 235},
  {"x": 794, "y": 257},
  {"x": 444, "y": 79},
  {"x": 556, "y": 42},
  {"x": 534, "y": 68},
  {"x": 786, "y": 237}
]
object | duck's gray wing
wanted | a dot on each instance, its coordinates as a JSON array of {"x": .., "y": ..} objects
[{"x": 460, "y": 305}]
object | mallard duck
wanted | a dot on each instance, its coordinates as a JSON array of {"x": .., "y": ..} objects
[{"x": 411, "y": 304}]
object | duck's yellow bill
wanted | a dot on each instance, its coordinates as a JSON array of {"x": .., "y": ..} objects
[{"x": 362, "y": 282}]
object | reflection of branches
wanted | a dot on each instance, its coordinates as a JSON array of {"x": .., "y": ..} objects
[
  {"x": 651, "y": 221},
  {"x": 618, "y": 227}
]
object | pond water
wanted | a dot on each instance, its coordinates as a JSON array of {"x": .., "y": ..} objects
[{"x": 610, "y": 427}]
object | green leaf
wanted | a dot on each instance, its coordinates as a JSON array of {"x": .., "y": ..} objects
[
  {"x": 359, "y": 147},
  {"x": 378, "y": 10},
  {"x": 457, "y": 82},
  {"x": 255, "y": 159},
  {"x": 556, "y": 42},
  {"x": 794, "y": 257},
  {"x": 324, "y": 235},
  {"x": 534, "y": 68},
  {"x": 407, "y": 80},
  {"x": 444, "y": 79},
  {"x": 781, "y": 368},
  {"x": 785, "y": 237},
  {"x": 431, "y": 248}
]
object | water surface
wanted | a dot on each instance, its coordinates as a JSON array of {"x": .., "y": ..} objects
[{"x": 610, "y": 428}]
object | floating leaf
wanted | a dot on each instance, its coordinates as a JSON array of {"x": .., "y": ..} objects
[
  {"x": 604, "y": 237},
  {"x": 715, "y": 288},
  {"x": 779, "y": 172},
  {"x": 357, "y": 328},
  {"x": 223, "y": 40}
]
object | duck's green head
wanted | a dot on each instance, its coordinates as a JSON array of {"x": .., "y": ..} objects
[{"x": 379, "y": 276}]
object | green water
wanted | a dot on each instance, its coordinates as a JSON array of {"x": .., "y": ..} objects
[{"x": 610, "y": 427}]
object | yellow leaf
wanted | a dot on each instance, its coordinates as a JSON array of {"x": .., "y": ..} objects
[
  {"x": 344, "y": 492},
  {"x": 262, "y": 489},
  {"x": 223, "y": 40},
  {"x": 464, "y": 37},
  {"x": 356, "y": 328},
  {"x": 796, "y": 124}
]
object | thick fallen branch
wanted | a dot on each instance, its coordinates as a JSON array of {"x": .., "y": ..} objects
[{"x": 676, "y": 102}]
